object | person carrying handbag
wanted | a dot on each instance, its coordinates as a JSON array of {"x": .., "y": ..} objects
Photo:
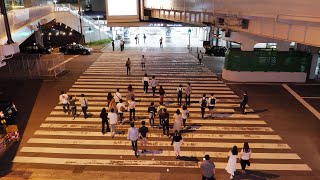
[{"x": 245, "y": 157}]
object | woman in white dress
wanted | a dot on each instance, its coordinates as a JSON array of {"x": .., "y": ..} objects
[
  {"x": 177, "y": 121},
  {"x": 232, "y": 162}
]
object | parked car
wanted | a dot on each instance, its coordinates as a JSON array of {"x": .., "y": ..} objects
[
  {"x": 7, "y": 112},
  {"x": 75, "y": 49},
  {"x": 36, "y": 49}
]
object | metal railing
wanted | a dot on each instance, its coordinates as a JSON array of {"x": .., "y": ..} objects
[{"x": 33, "y": 66}]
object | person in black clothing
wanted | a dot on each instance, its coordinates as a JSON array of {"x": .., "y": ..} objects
[
  {"x": 72, "y": 102},
  {"x": 179, "y": 94},
  {"x": 203, "y": 105},
  {"x": 104, "y": 120},
  {"x": 109, "y": 98},
  {"x": 243, "y": 103},
  {"x": 112, "y": 45},
  {"x": 143, "y": 136},
  {"x": 161, "y": 93},
  {"x": 152, "y": 113},
  {"x": 177, "y": 140},
  {"x": 165, "y": 117}
]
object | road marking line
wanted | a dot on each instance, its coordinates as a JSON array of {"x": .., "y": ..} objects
[
  {"x": 302, "y": 101},
  {"x": 150, "y": 163},
  {"x": 170, "y": 153},
  {"x": 205, "y": 136},
  {"x": 200, "y": 128},
  {"x": 106, "y": 142},
  {"x": 311, "y": 97}
]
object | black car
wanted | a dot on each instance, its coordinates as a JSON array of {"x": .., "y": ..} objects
[
  {"x": 36, "y": 49},
  {"x": 75, "y": 49},
  {"x": 218, "y": 51},
  {"x": 7, "y": 112}
]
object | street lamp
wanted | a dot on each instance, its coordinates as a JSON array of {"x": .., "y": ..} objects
[
  {"x": 189, "y": 32},
  {"x": 99, "y": 27}
]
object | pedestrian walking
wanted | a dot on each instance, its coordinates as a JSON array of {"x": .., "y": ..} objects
[
  {"x": 132, "y": 109},
  {"x": 112, "y": 43},
  {"x": 121, "y": 108},
  {"x": 117, "y": 96},
  {"x": 232, "y": 162},
  {"x": 243, "y": 102},
  {"x": 211, "y": 104},
  {"x": 177, "y": 141},
  {"x": 143, "y": 63},
  {"x": 104, "y": 121},
  {"x": 166, "y": 121},
  {"x": 245, "y": 155},
  {"x": 73, "y": 107},
  {"x": 203, "y": 105},
  {"x": 152, "y": 113},
  {"x": 153, "y": 83},
  {"x": 128, "y": 65},
  {"x": 177, "y": 121},
  {"x": 143, "y": 131},
  {"x": 185, "y": 115},
  {"x": 113, "y": 104},
  {"x": 113, "y": 117},
  {"x": 133, "y": 136},
  {"x": 63, "y": 98},
  {"x": 109, "y": 98},
  {"x": 160, "y": 109},
  {"x": 162, "y": 93},
  {"x": 84, "y": 105},
  {"x": 188, "y": 91},
  {"x": 208, "y": 168},
  {"x": 137, "y": 39},
  {"x": 144, "y": 38},
  {"x": 145, "y": 81},
  {"x": 200, "y": 57},
  {"x": 130, "y": 93},
  {"x": 121, "y": 45},
  {"x": 179, "y": 89},
  {"x": 161, "y": 45}
]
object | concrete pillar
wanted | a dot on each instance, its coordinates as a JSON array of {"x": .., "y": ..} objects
[
  {"x": 313, "y": 66},
  {"x": 283, "y": 46}
]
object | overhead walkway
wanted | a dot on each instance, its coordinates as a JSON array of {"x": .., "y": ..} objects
[
  {"x": 24, "y": 22},
  {"x": 275, "y": 20}
]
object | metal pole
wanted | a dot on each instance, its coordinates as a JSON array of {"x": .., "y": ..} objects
[
  {"x": 189, "y": 40},
  {"x": 80, "y": 14},
  {"x": 6, "y": 22}
]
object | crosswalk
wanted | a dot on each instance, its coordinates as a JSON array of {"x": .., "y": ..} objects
[{"x": 62, "y": 140}]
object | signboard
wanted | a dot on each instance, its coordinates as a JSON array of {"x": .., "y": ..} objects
[{"x": 122, "y": 10}]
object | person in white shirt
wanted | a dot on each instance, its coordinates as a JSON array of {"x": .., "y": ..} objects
[
  {"x": 133, "y": 135},
  {"x": 145, "y": 81},
  {"x": 203, "y": 105},
  {"x": 84, "y": 105},
  {"x": 211, "y": 104},
  {"x": 179, "y": 89},
  {"x": 143, "y": 63},
  {"x": 153, "y": 83},
  {"x": 63, "y": 98},
  {"x": 113, "y": 117},
  {"x": 245, "y": 157},
  {"x": 185, "y": 115},
  {"x": 121, "y": 108},
  {"x": 132, "y": 108},
  {"x": 117, "y": 96}
]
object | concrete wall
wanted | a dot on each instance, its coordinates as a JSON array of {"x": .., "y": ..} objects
[
  {"x": 99, "y": 5},
  {"x": 191, "y": 5},
  {"x": 244, "y": 76}
]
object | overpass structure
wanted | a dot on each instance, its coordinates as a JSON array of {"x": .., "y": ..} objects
[{"x": 249, "y": 22}]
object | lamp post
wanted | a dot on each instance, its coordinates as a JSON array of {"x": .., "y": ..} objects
[
  {"x": 6, "y": 22},
  {"x": 55, "y": 5},
  {"x": 80, "y": 14},
  {"x": 99, "y": 27},
  {"x": 189, "y": 32}
]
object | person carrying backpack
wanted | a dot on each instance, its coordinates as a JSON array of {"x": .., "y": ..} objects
[
  {"x": 165, "y": 116},
  {"x": 203, "y": 105},
  {"x": 211, "y": 104},
  {"x": 152, "y": 113}
]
